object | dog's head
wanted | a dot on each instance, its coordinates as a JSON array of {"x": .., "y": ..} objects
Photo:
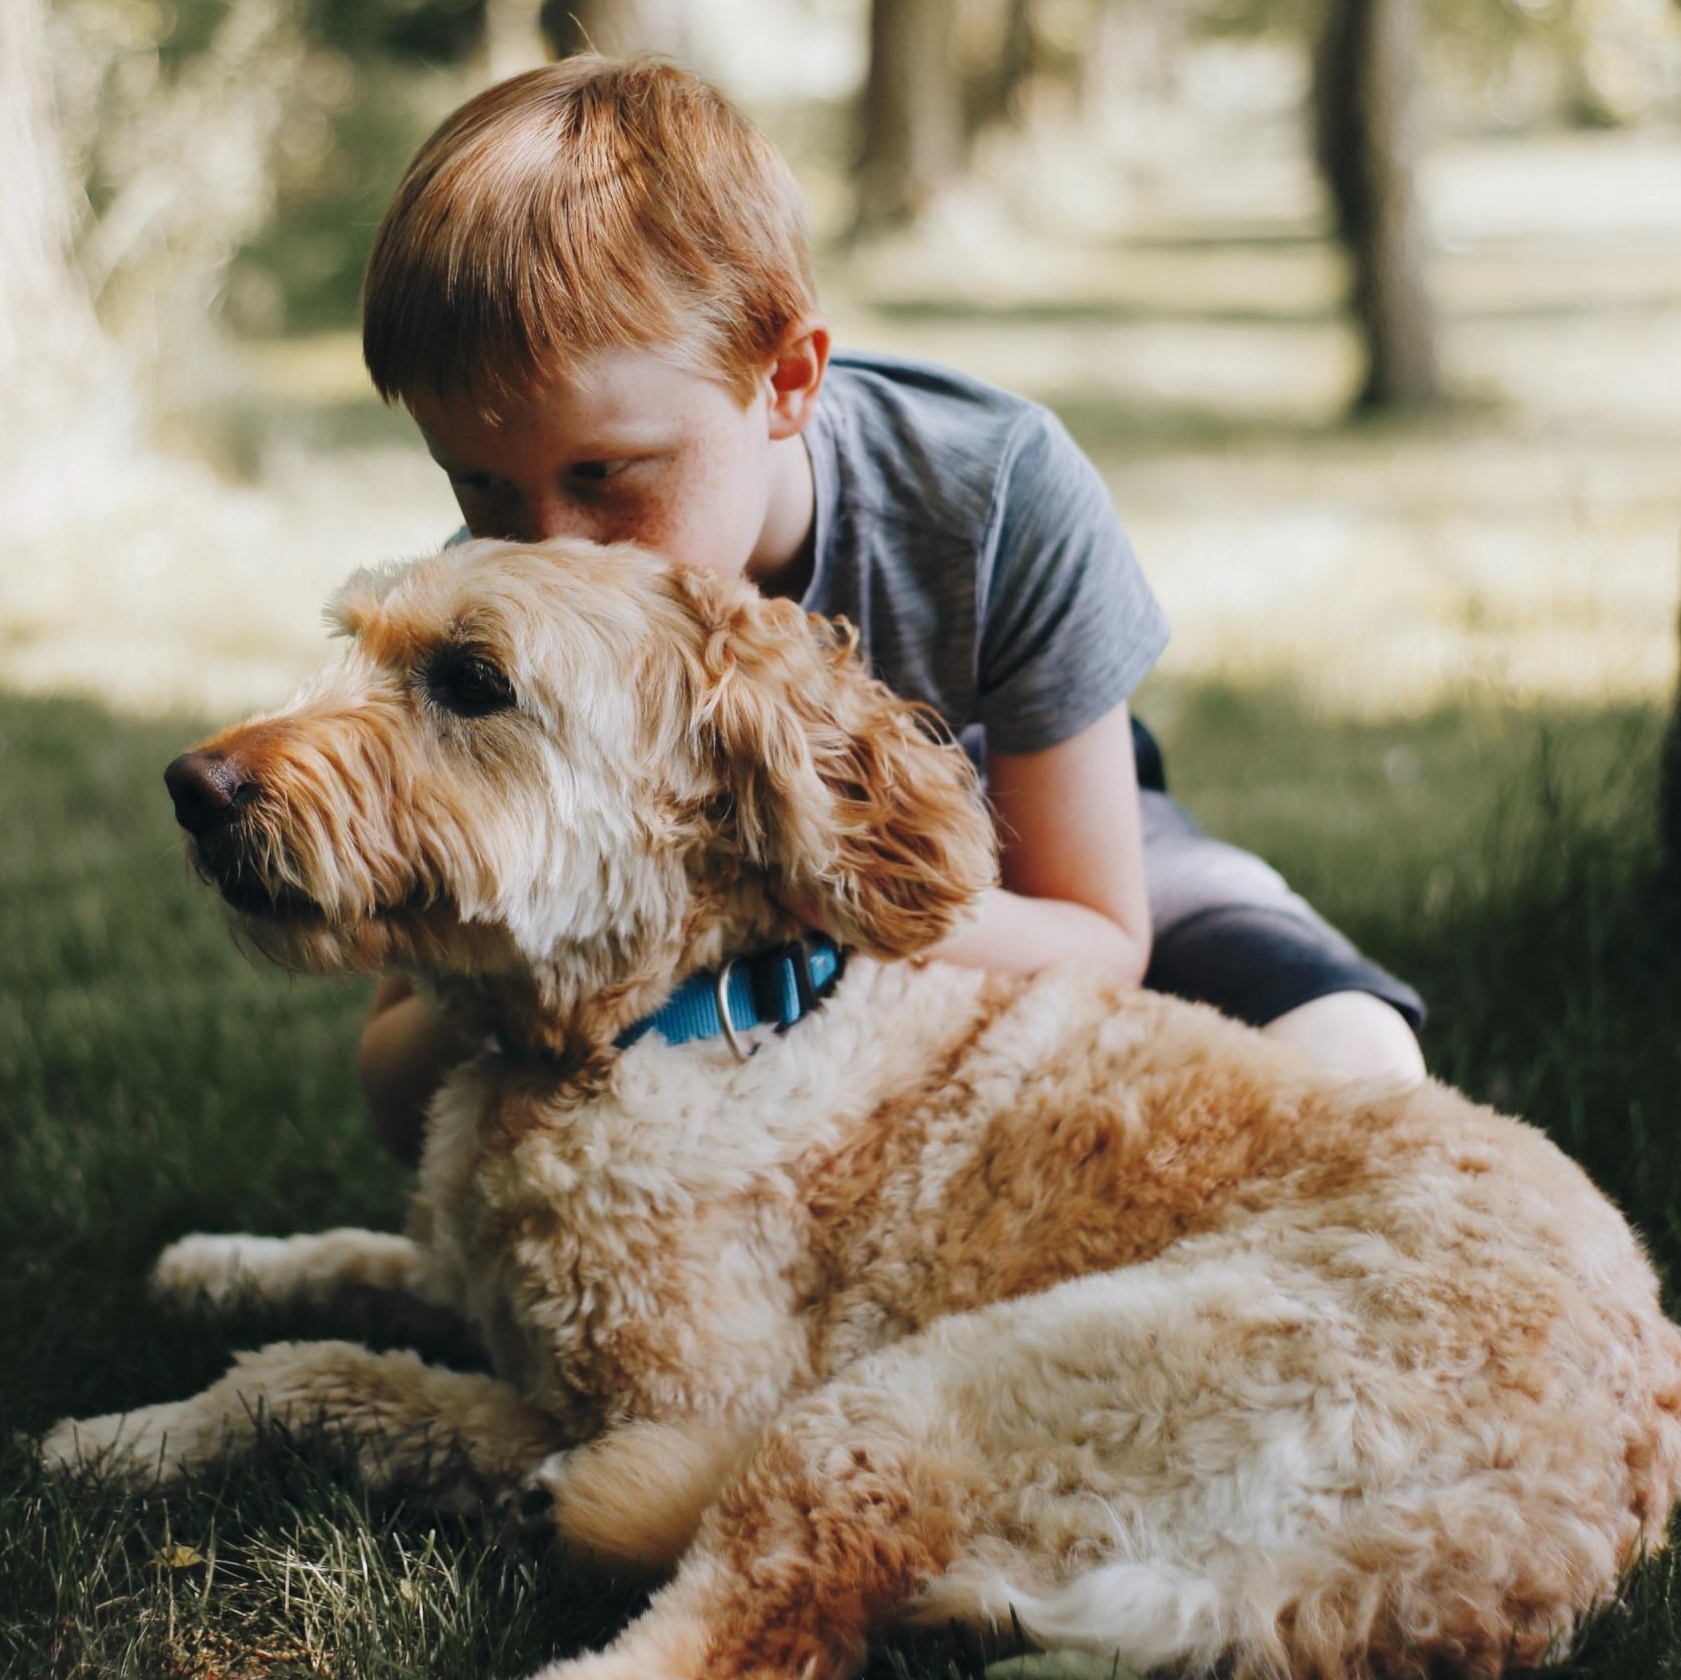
[{"x": 529, "y": 756}]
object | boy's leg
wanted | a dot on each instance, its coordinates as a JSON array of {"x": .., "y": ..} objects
[
  {"x": 1229, "y": 931},
  {"x": 1355, "y": 1033},
  {"x": 407, "y": 1049}
]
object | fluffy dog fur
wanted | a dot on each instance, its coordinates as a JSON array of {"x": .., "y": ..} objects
[{"x": 966, "y": 1296}]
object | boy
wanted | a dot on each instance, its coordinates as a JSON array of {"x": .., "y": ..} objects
[{"x": 592, "y": 291}]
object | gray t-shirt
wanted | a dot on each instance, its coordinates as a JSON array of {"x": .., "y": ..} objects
[{"x": 977, "y": 551}]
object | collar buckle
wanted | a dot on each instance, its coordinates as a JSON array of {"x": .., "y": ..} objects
[{"x": 743, "y": 1052}]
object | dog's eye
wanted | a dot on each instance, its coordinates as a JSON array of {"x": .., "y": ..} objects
[{"x": 471, "y": 686}]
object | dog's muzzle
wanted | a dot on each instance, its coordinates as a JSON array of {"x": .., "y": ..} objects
[{"x": 210, "y": 791}]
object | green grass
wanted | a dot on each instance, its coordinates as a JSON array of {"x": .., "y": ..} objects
[{"x": 153, "y": 1081}]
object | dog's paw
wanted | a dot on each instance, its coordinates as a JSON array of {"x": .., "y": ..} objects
[
  {"x": 140, "y": 1446},
  {"x": 529, "y": 1508},
  {"x": 212, "y": 1271}
]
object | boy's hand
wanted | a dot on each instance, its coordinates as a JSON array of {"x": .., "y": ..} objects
[{"x": 407, "y": 1049}]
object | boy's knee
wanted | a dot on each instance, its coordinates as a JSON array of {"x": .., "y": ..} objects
[{"x": 1355, "y": 1034}]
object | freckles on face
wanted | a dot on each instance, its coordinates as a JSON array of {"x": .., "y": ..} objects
[{"x": 629, "y": 449}]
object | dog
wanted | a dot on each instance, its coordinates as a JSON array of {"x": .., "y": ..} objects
[{"x": 935, "y": 1295}]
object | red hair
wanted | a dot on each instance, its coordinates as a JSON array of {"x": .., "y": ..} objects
[{"x": 588, "y": 205}]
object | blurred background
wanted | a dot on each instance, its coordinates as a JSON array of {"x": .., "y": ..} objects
[{"x": 1370, "y": 310}]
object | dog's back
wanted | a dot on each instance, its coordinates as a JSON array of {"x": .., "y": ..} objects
[{"x": 1247, "y": 1364}]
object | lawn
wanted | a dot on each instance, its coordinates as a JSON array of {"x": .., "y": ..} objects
[{"x": 157, "y": 1081}]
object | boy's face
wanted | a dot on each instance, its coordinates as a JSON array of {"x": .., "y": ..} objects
[{"x": 629, "y": 449}]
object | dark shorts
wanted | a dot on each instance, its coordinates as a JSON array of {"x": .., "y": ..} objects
[{"x": 1230, "y": 932}]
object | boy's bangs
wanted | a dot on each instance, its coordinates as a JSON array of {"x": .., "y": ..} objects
[{"x": 499, "y": 332}]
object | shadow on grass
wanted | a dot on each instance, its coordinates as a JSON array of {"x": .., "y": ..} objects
[
  {"x": 238, "y": 432},
  {"x": 1105, "y": 426},
  {"x": 1283, "y": 315},
  {"x": 153, "y": 1081}
]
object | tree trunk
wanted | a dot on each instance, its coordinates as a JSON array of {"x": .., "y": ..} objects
[
  {"x": 993, "y": 95},
  {"x": 1363, "y": 96},
  {"x": 912, "y": 111}
]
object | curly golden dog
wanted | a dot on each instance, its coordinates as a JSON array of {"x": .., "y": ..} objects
[{"x": 959, "y": 1297}]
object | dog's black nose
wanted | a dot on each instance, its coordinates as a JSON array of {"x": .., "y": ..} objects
[{"x": 205, "y": 787}]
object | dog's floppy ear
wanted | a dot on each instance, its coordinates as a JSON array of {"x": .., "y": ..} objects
[{"x": 867, "y": 819}]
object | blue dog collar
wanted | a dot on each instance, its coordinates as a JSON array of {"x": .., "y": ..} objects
[{"x": 776, "y": 988}]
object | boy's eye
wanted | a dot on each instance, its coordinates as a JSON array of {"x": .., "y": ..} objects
[
  {"x": 469, "y": 684},
  {"x": 481, "y": 484},
  {"x": 599, "y": 470}
]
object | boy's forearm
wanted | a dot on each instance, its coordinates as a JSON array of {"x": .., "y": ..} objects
[{"x": 1017, "y": 935}]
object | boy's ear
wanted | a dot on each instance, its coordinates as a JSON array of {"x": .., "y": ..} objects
[
  {"x": 796, "y": 375},
  {"x": 834, "y": 788}
]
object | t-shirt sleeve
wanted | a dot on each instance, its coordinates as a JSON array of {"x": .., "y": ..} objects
[{"x": 1069, "y": 626}]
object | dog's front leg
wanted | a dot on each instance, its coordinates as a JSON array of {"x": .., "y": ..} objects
[
  {"x": 465, "y": 1437},
  {"x": 363, "y": 1275}
]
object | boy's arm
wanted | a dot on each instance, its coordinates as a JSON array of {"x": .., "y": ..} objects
[
  {"x": 1073, "y": 859},
  {"x": 407, "y": 1049}
]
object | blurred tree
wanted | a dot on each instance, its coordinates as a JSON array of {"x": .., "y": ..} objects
[
  {"x": 431, "y": 32},
  {"x": 54, "y": 358},
  {"x": 1363, "y": 109},
  {"x": 1669, "y": 800},
  {"x": 172, "y": 120},
  {"x": 513, "y": 38},
  {"x": 620, "y": 28},
  {"x": 912, "y": 111},
  {"x": 1133, "y": 53},
  {"x": 993, "y": 89}
]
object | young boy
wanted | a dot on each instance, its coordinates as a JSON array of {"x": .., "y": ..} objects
[{"x": 592, "y": 291}]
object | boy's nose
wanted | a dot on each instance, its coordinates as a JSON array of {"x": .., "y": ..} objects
[{"x": 548, "y": 516}]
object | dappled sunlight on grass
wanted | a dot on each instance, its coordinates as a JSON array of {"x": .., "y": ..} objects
[
  {"x": 205, "y": 593},
  {"x": 1522, "y": 546}
]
